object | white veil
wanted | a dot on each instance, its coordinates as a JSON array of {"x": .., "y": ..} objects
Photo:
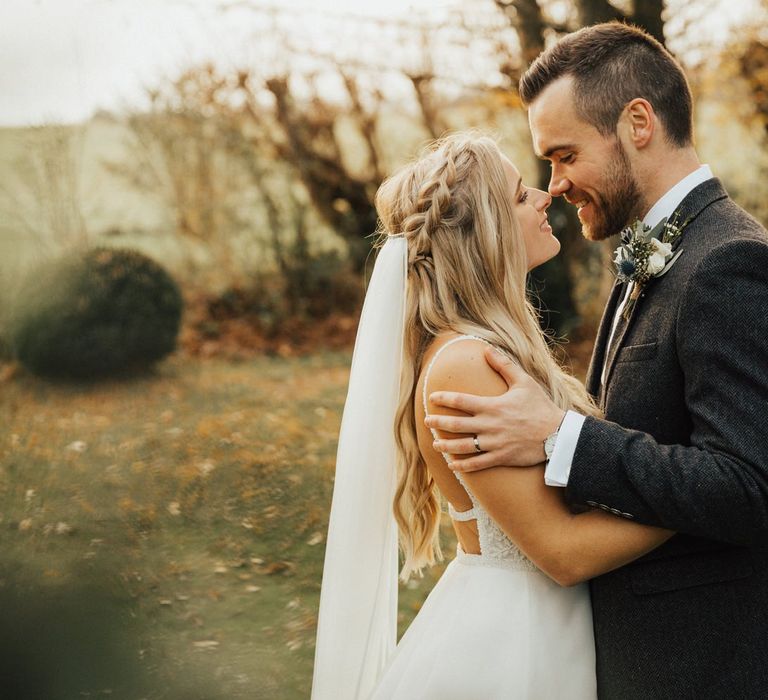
[{"x": 357, "y": 623}]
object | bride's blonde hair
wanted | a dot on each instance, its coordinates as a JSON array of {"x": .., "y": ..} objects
[{"x": 467, "y": 270}]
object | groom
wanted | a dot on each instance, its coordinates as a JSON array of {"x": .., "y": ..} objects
[{"x": 680, "y": 369}]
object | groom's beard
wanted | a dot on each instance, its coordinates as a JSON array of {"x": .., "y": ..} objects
[{"x": 620, "y": 200}]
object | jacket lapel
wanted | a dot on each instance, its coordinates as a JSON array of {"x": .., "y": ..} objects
[{"x": 696, "y": 201}]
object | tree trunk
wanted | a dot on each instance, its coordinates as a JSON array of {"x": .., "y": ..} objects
[
  {"x": 596, "y": 11},
  {"x": 343, "y": 201},
  {"x": 552, "y": 283},
  {"x": 647, "y": 14}
]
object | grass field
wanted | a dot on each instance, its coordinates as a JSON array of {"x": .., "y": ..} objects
[{"x": 164, "y": 535}]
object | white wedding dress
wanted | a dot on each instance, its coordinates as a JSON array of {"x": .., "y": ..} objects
[{"x": 494, "y": 627}]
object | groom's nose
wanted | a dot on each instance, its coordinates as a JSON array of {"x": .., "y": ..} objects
[{"x": 558, "y": 185}]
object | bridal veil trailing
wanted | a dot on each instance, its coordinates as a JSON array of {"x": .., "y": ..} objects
[{"x": 357, "y": 623}]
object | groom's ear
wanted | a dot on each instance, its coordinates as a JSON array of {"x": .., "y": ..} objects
[{"x": 637, "y": 123}]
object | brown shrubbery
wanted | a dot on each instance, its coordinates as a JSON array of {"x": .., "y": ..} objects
[{"x": 315, "y": 309}]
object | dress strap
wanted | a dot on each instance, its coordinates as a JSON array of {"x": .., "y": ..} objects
[{"x": 434, "y": 358}]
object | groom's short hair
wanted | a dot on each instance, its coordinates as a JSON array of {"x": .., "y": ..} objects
[{"x": 612, "y": 64}]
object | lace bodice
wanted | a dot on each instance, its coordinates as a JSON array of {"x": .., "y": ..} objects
[{"x": 496, "y": 549}]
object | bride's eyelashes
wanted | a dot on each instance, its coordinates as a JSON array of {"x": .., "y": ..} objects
[{"x": 523, "y": 197}]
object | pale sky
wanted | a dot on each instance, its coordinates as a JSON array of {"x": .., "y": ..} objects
[
  {"x": 63, "y": 59},
  {"x": 60, "y": 60}
]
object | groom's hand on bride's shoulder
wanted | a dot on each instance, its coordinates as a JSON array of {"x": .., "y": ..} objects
[{"x": 510, "y": 428}]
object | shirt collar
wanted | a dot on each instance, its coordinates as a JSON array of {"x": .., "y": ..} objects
[{"x": 666, "y": 205}]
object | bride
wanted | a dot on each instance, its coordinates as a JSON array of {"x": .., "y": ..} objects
[{"x": 510, "y": 617}]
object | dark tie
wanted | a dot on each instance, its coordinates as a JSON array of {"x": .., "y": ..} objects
[{"x": 614, "y": 343}]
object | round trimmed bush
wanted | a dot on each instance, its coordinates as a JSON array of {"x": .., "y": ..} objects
[{"x": 96, "y": 313}]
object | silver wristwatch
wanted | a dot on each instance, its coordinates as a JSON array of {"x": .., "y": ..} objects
[{"x": 549, "y": 444}]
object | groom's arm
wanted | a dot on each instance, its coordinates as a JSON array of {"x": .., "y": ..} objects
[{"x": 716, "y": 487}]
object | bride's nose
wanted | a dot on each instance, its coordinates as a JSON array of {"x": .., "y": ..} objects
[{"x": 543, "y": 200}]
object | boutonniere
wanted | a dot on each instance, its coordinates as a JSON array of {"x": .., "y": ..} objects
[{"x": 646, "y": 252}]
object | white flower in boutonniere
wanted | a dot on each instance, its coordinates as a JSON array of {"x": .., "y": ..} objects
[
  {"x": 645, "y": 253},
  {"x": 661, "y": 254}
]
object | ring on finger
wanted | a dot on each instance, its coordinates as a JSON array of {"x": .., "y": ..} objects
[{"x": 477, "y": 444}]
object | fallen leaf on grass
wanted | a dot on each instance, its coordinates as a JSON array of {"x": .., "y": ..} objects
[
  {"x": 63, "y": 528},
  {"x": 77, "y": 446},
  {"x": 206, "y": 467},
  {"x": 316, "y": 538},
  {"x": 277, "y": 567},
  {"x": 206, "y": 644}
]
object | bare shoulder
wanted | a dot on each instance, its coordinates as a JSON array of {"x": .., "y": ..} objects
[{"x": 461, "y": 367}]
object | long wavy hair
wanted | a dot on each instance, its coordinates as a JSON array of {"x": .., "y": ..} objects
[{"x": 467, "y": 270}]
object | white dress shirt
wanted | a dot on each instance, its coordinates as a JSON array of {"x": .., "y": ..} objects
[{"x": 559, "y": 466}]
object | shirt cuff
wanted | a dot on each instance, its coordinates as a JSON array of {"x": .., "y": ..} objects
[{"x": 559, "y": 466}]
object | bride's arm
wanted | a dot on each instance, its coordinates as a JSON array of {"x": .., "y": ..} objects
[{"x": 568, "y": 547}]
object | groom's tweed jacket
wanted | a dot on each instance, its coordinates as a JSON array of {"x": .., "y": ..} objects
[{"x": 685, "y": 445}]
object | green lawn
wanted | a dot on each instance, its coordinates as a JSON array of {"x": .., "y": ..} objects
[{"x": 164, "y": 535}]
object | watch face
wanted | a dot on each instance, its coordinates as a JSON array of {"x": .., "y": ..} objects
[{"x": 549, "y": 444}]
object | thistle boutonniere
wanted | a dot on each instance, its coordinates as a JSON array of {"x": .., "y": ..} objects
[{"x": 646, "y": 252}]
